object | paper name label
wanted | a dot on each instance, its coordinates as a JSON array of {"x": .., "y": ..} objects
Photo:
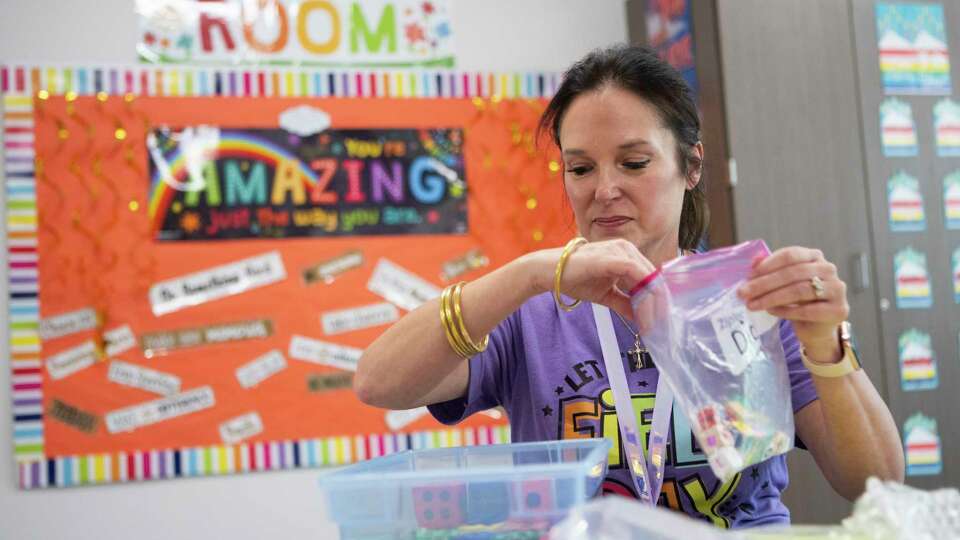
[
  {"x": 325, "y": 382},
  {"x": 229, "y": 279},
  {"x": 72, "y": 416},
  {"x": 160, "y": 342},
  {"x": 346, "y": 320},
  {"x": 131, "y": 418},
  {"x": 242, "y": 427},
  {"x": 325, "y": 354},
  {"x": 119, "y": 339},
  {"x": 68, "y": 323},
  {"x": 739, "y": 338},
  {"x": 397, "y": 420},
  {"x": 260, "y": 369},
  {"x": 327, "y": 271},
  {"x": 399, "y": 286},
  {"x": 72, "y": 360},
  {"x": 143, "y": 378}
]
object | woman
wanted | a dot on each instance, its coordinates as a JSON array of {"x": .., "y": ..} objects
[{"x": 629, "y": 137}]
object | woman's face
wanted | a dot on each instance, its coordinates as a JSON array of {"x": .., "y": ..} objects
[{"x": 621, "y": 171}]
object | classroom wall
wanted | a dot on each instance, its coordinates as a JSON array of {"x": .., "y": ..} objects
[{"x": 491, "y": 35}]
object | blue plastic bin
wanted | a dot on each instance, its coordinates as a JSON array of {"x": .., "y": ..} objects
[{"x": 494, "y": 491}]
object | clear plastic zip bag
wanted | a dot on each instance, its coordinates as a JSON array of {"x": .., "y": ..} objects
[{"x": 725, "y": 364}]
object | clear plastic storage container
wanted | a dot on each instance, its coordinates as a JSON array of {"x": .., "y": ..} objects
[{"x": 503, "y": 491}]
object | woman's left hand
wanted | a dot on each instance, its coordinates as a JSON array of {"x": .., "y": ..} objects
[{"x": 799, "y": 284}]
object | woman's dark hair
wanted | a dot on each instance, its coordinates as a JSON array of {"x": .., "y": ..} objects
[{"x": 639, "y": 70}]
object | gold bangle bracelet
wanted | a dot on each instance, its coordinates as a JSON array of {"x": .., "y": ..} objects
[
  {"x": 568, "y": 250},
  {"x": 456, "y": 324},
  {"x": 475, "y": 347},
  {"x": 452, "y": 339},
  {"x": 462, "y": 346}
]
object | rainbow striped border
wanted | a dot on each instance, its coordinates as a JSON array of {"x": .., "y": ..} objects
[
  {"x": 153, "y": 81},
  {"x": 18, "y": 85},
  {"x": 24, "y": 305},
  {"x": 90, "y": 469}
]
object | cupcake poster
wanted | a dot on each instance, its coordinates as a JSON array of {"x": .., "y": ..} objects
[
  {"x": 951, "y": 200},
  {"x": 912, "y": 280},
  {"x": 912, "y": 42},
  {"x": 898, "y": 133},
  {"x": 918, "y": 367},
  {"x": 946, "y": 126},
  {"x": 922, "y": 445},
  {"x": 905, "y": 204}
]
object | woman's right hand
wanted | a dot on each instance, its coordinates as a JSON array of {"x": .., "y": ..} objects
[{"x": 599, "y": 272}]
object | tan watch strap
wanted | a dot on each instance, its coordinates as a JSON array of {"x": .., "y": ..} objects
[{"x": 848, "y": 364}]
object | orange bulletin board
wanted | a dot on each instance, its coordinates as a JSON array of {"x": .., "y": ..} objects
[{"x": 97, "y": 251}]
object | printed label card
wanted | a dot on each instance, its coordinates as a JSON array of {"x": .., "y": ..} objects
[
  {"x": 401, "y": 287},
  {"x": 72, "y": 360},
  {"x": 324, "y": 354},
  {"x": 347, "y": 320},
  {"x": 229, "y": 279},
  {"x": 261, "y": 369}
]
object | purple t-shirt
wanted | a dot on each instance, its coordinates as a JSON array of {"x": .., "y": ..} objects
[{"x": 545, "y": 368}]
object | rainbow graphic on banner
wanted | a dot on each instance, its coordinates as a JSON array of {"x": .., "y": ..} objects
[
  {"x": 951, "y": 200},
  {"x": 905, "y": 204},
  {"x": 918, "y": 366},
  {"x": 226, "y": 144},
  {"x": 946, "y": 126},
  {"x": 912, "y": 280},
  {"x": 898, "y": 132},
  {"x": 956, "y": 275},
  {"x": 913, "y": 49},
  {"x": 922, "y": 445}
]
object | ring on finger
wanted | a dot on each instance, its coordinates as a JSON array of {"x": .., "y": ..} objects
[{"x": 819, "y": 291}]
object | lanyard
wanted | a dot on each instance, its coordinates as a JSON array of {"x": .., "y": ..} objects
[{"x": 647, "y": 478}]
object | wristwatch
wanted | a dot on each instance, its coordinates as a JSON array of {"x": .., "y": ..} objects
[{"x": 849, "y": 363}]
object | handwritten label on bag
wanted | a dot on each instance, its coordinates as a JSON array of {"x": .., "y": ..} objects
[{"x": 738, "y": 332}]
